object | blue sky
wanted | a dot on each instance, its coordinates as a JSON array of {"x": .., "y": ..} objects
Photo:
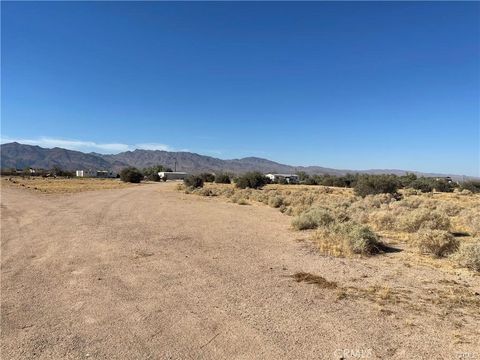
[{"x": 345, "y": 85}]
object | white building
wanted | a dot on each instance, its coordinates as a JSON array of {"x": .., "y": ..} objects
[
  {"x": 86, "y": 173},
  {"x": 172, "y": 175},
  {"x": 289, "y": 178},
  {"x": 95, "y": 173}
]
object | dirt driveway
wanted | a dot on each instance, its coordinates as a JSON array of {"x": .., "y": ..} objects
[{"x": 151, "y": 273}]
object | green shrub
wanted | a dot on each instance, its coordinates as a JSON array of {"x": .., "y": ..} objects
[
  {"x": 442, "y": 185},
  {"x": 252, "y": 180},
  {"x": 422, "y": 184},
  {"x": 207, "y": 177},
  {"x": 154, "y": 170},
  {"x": 469, "y": 255},
  {"x": 376, "y": 184},
  {"x": 153, "y": 177},
  {"x": 436, "y": 242},
  {"x": 131, "y": 174},
  {"x": 193, "y": 181},
  {"x": 473, "y": 186},
  {"x": 222, "y": 178}
]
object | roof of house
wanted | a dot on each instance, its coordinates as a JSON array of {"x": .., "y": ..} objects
[{"x": 284, "y": 175}]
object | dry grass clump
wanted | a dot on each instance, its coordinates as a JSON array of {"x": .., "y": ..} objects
[
  {"x": 382, "y": 220},
  {"x": 470, "y": 219},
  {"x": 275, "y": 201},
  {"x": 348, "y": 238},
  {"x": 436, "y": 242},
  {"x": 468, "y": 255},
  {"x": 314, "y": 218},
  {"x": 448, "y": 208},
  {"x": 423, "y": 219}
]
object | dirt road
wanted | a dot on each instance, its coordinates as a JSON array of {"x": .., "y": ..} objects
[{"x": 150, "y": 273}]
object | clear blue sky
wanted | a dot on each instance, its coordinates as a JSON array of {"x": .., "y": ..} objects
[{"x": 344, "y": 85}]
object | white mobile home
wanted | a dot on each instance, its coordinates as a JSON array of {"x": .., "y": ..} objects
[
  {"x": 86, "y": 173},
  {"x": 95, "y": 173},
  {"x": 289, "y": 178},
  {"x": 172, "y": 175}
]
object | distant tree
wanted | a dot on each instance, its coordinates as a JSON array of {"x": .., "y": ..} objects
[
  {"x": 222, "y": 178},
  {"x": 302, "y": 176},
  {"x": 376, "y": 184},
  {"x": 473, "y": 186},
  {"x": 58, "y": 171},
  {"x": 253, "y": 180},
  {"x": 407, "y": 179},
  {"x": 207, "y": 177},
  {"x": 442, "y": 185},
  {"x": 423, "y": 184},
  {"x": 131, "y": 174},
  {"x": 310, "y": 181}
]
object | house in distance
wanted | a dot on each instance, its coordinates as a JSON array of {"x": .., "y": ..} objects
[
  {"x": 287, "y": 178},
  {"x": 172, "y": 175},
  {"x": 95, "y": 173}
]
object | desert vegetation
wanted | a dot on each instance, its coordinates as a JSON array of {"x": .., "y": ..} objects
[
  {"x": 131, "y": 174},
  {"x": 372, "y": 214}
]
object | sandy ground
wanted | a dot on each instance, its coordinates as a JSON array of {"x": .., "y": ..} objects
[{"x": 147, "y": 272}]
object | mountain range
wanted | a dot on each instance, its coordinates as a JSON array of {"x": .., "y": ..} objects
[{"x": 20, "y": 156}]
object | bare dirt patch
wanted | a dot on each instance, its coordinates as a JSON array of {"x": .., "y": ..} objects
[
  {"x": 150, "y": 272},
  {"x": 62, "y": 185}
]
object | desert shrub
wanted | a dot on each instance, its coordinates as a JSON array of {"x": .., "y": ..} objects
[
  {"x": 376, "y": 201},
  {"x": 417, "y": 219},
  {"x": 407, "y": 180},
  {"x": 252, "y": 180},
  {"x": 376, "y": 184},
  {"x": 193, "y": 181},
  {"x": 382, "y": 220},
  {"x": 449, "y": 208},
  {"x": 239, "y": 199},
  {"x": 468, "y": 255},
  {"x": 207, "y": 192},
  {"x": 131, "y": 174},
  {"x": 442, "y": 185},
  {"x": 423, "y": 184},
  {"x": 410, "y": 192},
  {"x": 222, "y": 178},
  {"x": 473, "y": 186},
  {"x": 154, "y": 170},
  {"x": 436, "y": 242},
  {"x": 275, "y": 201},
  {"x": 207, "y": 177},
  {"x": 408, "y": 203},
  {"x": 348, "y": 238},
  {"x": 361, "y": 239},
  {"x": 466, "y": 192},
  {"x": 153, "y": 177},
  {"x": 313, "y": 218},
  {"x": 471, "y": 220},
  {"x": 310, "y": 181}
]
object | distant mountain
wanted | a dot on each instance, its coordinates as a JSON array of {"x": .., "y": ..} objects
[{"x": 15, "y": 155}]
